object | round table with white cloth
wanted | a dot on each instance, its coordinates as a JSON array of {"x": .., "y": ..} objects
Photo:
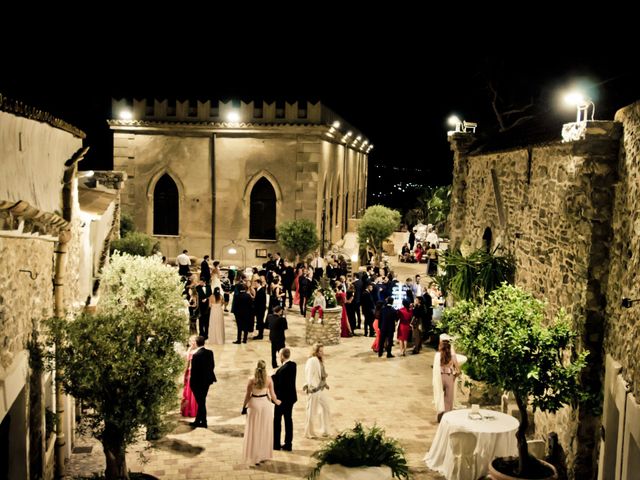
[{"x": 495, "y": 434}]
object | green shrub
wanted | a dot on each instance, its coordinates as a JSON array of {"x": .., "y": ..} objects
[
  {"x": 360, "y": 447},
  {"x": 298, "y": 237},
  {"x": 136, "y": 243}
]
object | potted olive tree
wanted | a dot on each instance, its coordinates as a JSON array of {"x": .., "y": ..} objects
[
  {"x": 360, "y": 453},
  {"x": 509, "y": 346}
]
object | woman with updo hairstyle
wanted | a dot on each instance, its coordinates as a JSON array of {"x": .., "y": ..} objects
[{"x": 258, "y": 431}]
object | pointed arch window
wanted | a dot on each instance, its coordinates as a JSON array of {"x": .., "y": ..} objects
[
  {"x": 262, "y": 215},
  {"x": 165, "y": 207}
]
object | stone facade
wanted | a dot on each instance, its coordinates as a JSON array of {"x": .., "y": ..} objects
[
  {"x": 317, "y": 171},
  {"x": 551, "y": 206},
  {"x": 327, "y": 332},
  {"x": 40, "y": 217}
]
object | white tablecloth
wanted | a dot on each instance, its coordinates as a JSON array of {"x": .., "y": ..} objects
[{"x": 496, "y": 438}]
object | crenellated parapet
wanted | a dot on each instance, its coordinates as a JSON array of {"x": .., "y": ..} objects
[{"x": 232, "y": 115}]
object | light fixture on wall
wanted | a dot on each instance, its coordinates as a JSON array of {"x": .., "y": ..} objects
[
  {"x": 460, "y": 126},
  {"x": 125, "y": 114},
  {"x": 582, "y": 104},
  {"x": 233, "y": 116},
  {"x": 628, "y": 303},
  {"x": 231, "y": 250}
]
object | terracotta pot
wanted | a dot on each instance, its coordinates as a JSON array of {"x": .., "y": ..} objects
[
  {"x": 496, "y": 475},
  {"x": 340, "y": 472}
]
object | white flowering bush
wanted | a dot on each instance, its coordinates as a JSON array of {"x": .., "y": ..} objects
[{"x": 140, "y": 283}]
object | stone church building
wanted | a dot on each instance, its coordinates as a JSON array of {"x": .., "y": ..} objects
[{"x": 208, "y": 176}]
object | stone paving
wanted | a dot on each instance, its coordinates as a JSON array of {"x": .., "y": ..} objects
[{"x": 393, "y": 393}]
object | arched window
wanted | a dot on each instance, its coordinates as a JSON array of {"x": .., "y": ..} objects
[
  {"x": 487, "y": 238},
  {"x": 262, "y": 216},
  {"x": 165, "y": 207}
]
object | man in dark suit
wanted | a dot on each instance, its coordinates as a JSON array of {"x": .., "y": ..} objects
[
  {"x": 304, "y": 290},
  {"x": 259, "y": 307},
  {"x": 205, "y": 271},
  {"x": 358, "y": 287},
  {"x": 284, "y": 384},
  {"x": 204, "y": 294},
  {"x": 368, "y": 309},
  {"x": 202, "y": 376},
  {"x": 277, "y": 324},
  {"x": 243, "y": 310},
  {"x": 388, "y": 317}
]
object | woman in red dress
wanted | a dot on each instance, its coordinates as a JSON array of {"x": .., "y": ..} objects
[
  {"x": 188, "y": 406},
  {"x": 376, "y": 316},
  {"x": 418, "y": 252},
  {"x": 341, "y": 298},
  {"x": 405, "y": 314}
]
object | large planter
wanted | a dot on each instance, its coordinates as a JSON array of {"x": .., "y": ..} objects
[
  {"x": 496, "y": 475},
  {"x": 325, "y": 331},
  {"x": 340, "y": 472}
]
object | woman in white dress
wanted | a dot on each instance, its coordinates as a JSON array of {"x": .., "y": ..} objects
[
  {"x": 216, "y": 318},
  {"x": 258, "y": 431},
  {"x": 215, "y": 276},
  {"x": 317, "y": 398}
]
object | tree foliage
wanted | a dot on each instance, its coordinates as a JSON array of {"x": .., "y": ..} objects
[
  {"x": 298, "y": 237},
  {"x": 376, "y": 225},
  {"x": 136, "y": 243},
  {"x": 121, "y": 363},
  {"x": 127, "y": 224},
  {"x": 508, "y": 346},
  {"x": 476, "y": 275},
  {"x": 432, "y": 206}
]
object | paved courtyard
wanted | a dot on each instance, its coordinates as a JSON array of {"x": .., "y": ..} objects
[{"x": 393, "y": 393}]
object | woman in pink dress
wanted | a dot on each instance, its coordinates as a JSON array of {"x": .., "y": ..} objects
[
  {"x": 188, "y": 406},
  {"x": 296, "y": 295},
  {"x": 341, "y": 298},
  {"x": 405, "y": 314}
]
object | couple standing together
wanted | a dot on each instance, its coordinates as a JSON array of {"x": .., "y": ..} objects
[{"x": 262, "y": 433}]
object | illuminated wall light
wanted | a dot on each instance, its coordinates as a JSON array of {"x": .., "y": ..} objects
[
  {"x": 335, "y": 124},
  {"x": 233, "y": 117},
  {"x": 125, "y": 114}
]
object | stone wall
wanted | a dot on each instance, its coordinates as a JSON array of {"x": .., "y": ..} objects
[
  {"x": 326, "y": 331},
  {"x": 550, "y": 206},
  {"x": 623, "y": 326},
  {"x": 24, "y": 302}
]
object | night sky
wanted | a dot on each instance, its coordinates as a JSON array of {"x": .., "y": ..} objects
[{"x": 397, "y": 90}]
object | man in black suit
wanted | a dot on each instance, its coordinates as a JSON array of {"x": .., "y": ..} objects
[
  {"x": 304, "y": 290},
  {"x": 388, "y": 317},
  {"x": 205, "y": 271},
  {"x": 277, "y": 324},
  {"x": 358, "y": 287},
  {"x": 204, "y": 294},
  {"x": 243, "y": 310},
  {"x": 202, "y": 376},
  {"x": 259, "y": 307},
  {"x": 284, "y": 384},
  {"x": 368, "y": 309}
]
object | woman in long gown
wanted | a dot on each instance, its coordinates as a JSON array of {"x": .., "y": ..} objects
[
  {"x": 188, "y": 406},
  {"x": 216, "y": 282},
  {"x": 341, "y": 298},
  {"x": 296, "y": 295},
  {"x": 216, "y": 318},
  {"x": 445, "y": 371},
  {"x": 258, "y": 431},
  {"x": 376, "y": 328}
]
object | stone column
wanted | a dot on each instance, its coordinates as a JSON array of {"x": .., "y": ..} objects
[{"x": 460, "y": 143}]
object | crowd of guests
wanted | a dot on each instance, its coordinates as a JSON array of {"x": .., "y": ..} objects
[{"x": 259, "y": 300}]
